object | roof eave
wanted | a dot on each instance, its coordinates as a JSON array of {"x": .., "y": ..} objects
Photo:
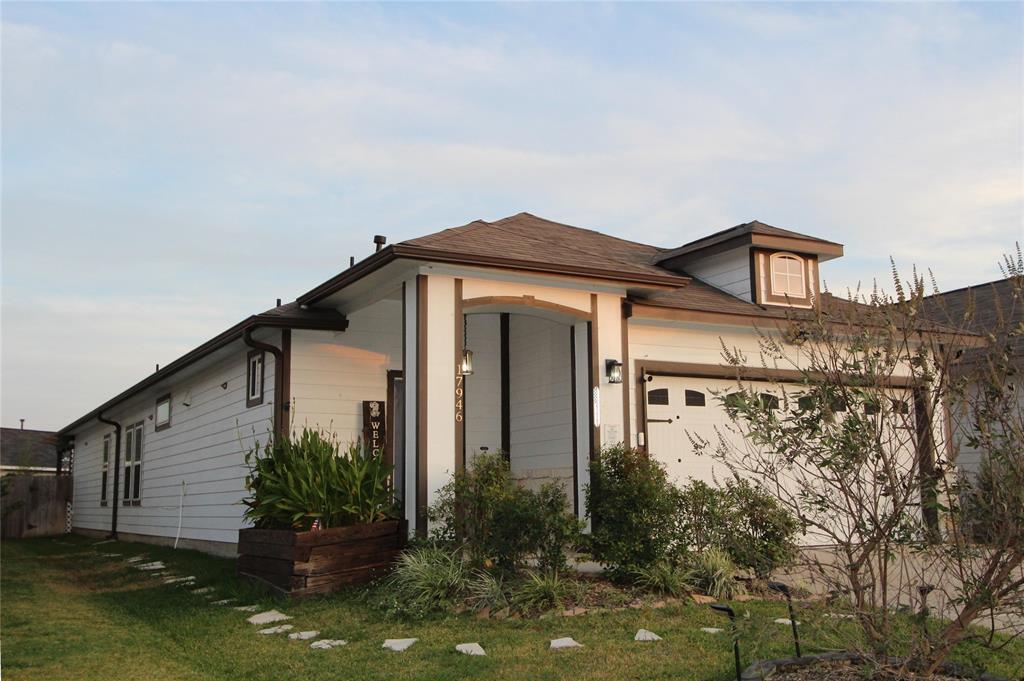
[
  {"x": 410, "y": 252},
  {"x": 326, "y": 323}
]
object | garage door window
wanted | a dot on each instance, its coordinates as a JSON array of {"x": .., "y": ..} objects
[
  {"x": 694, "y": 398},
  {"x": 769, "y": 401},
  {"x": 659, "y": 396}
]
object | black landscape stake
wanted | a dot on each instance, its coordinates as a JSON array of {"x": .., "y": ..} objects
[
  {"x": 923, "y": 592},
  {"x": 784, "y": 590},
  {"x": 735, "y": 636}
]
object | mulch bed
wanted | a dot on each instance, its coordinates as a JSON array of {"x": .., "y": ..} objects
[{"x": 847, "y": 672}]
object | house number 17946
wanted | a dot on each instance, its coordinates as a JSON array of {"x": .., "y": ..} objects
[{"x": 459, "y": 395}]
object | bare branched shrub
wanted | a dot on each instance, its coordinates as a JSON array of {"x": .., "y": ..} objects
[{"x": 878, "y": 395}]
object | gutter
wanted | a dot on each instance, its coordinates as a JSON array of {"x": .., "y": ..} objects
[
  {"x": 280, "y": 427},
  {"x": 406, "y": 251},
  {"x": 115, "y": 501}
]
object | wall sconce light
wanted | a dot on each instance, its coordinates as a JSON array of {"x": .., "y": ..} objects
[
  {"x": 466, "y": 365},
  {"x": 613, "y": 369}
]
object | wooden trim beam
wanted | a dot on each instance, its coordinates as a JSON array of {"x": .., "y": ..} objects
[
  {"x": 524, "y": 301},
  {"x": 421, "y": 404}
]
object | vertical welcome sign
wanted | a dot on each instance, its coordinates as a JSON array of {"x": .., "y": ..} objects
[{"x": 374, "y": 426}]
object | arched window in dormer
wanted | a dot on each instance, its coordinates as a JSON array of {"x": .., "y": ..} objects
[{"x": 789, "y": 275}]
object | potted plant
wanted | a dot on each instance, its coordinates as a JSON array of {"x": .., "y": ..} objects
[{"x": 323, "y": 517}]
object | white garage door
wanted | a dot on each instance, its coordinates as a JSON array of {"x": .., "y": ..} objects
[{"x": 681, "y": 408}]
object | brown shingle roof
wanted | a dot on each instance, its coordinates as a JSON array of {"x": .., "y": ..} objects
[
  {"x": 983, "y": 308},
  {"x": 753, "y": 227},
  {"x": 35, "y": 448},
  {"x": 533, "y": 239}
]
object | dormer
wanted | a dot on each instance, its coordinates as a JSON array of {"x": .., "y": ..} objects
[{"x": 757, "y": 262}]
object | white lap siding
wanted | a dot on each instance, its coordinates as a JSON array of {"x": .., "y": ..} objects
[
  {"x": 333, "y": 372},
  {"x": 540, "y": 400},
  {"x": 483, "y": 388},
  {"x": 203, "y": 448}
]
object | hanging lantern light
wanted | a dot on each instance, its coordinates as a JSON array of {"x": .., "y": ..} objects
[
  {"x": 613, "y": 369},
  {"x": 466, "y": 365}
]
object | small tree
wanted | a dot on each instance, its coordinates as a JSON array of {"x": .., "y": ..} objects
[{"x": 860, "y": 451}]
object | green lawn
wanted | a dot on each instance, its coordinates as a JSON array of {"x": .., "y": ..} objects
[{"x": 68, "y": 613}]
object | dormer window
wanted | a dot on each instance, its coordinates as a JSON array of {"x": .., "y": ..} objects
[
  {"x": 784, "y": 278},
  {"x": 788, "y": 275}
]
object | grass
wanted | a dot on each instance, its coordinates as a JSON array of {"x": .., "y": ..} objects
[{"x": 71, "y": 614}]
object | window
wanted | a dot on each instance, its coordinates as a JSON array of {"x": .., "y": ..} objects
[
  {"x": 254, "y": 379},
  {"x": 133, "y": 464},
  {"x": 659, "y": 396},
  {"x": 694, "y": 398},
  {"x": 787, "y": 272},
  {"x": 769, "y": 401},
  {"x": 163, "y": 412},
  {"x": 104, "y": 468}
]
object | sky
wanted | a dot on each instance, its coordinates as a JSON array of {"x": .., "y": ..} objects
[{"x": 169, "y": 169}]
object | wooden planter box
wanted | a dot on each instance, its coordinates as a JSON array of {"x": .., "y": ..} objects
[{"x": 318, "y": 562}]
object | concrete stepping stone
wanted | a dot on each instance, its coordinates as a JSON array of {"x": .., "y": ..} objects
[
  {"x": 135, "y": 559},
  {"x": 279, "y": 629},
  {"x": 303, "y": 635},
  {"x": 247, "y": 608},
  {"x": 105, "y": 541},
  {"x": 223, "y": 601},
  {"x": 562, "y": 643},
  {"x": 644, "y": 635},
  {"x": 111, "y": 555},
  {"x": 785, "y": 620},
  {"x": 155, "y": 565},
  {"x": 268, "y": 617},
  {"x": 179, "y": 580},
  {"x": 470, "y": 649},
  {"x": 327, "y": 643},
  {"x": 203, "y": 591},
  {"x": 399, "y": 644},
  {"x": 712, "y": 630},
  {"x": 839, "y": 616}
]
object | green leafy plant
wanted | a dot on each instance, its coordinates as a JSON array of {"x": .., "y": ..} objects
[
  {"x": 748, "y": 523},
  {"x": 499, "y": 523},
  {"x": 486, "y": 591},
  {"x": 294, "y": 482},
  {"x": 632, "y": 506},
  {"x": 542, "y": 590},
  {"x": 712, "y": 571},
  {"x": 427, "y": 580},
  {"x": 663, "y": 577}
]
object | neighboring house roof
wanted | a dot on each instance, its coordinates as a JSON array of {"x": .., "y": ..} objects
[
  {"x": 981, "y": 308},
  {"x": 289, "y": 315},
  {"x": 28, "y": 448}
]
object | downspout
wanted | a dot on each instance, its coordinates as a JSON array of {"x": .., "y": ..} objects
[
  {"x": 115, "y": 501},
  {"x": 279, "y": 424}
]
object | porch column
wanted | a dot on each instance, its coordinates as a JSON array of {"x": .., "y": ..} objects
[
  {"x": 606, "y": 314},
  {"x": 430, "y": 393}
]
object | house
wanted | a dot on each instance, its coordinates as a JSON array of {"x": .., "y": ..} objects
[
  {"x": 25, "y": 451},
  {"x": 990, "y": 308},
  {"x": 535, "y": 338}
]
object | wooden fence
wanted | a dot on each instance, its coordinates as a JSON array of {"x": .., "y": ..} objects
[{"x": 34, "y": 505}]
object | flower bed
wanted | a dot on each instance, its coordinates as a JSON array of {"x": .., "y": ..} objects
[{"x": 299, "y": 564}]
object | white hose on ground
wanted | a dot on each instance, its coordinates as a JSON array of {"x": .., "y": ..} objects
[{"x": 181, "y": 502}]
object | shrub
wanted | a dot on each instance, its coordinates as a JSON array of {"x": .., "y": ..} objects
[
  {"x": 294, "y": 482},
  {"x": 663, "y": 577},
  {"x": 632, "y": 506},
  {"x": 500, "y": 523},
  {"x": 761, "y": 531},
  {"x": 486, "y": 591},
  {"x": 712, "y": 571},
  {"x": 426, "y": 580},
  {"x": 748, "y": 523},
  {"x": 542, "y": 590}
]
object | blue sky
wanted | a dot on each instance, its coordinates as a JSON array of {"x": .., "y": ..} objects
[{"x": 169, "y": 169}]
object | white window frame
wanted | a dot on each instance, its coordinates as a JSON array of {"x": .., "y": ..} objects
[
  {"x": 255, "y": 373},
  {"x": 104, "y": 469},
  {"x": 133, "y": 448},
  {"x": 789, "y": 276},
  {"x": 166, "y": 423}
]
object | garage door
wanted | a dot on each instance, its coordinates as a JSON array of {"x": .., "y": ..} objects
[{"x": 679, "y": 409}]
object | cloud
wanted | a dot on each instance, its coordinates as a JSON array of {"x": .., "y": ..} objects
[{"x": 160, "y": 155}]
